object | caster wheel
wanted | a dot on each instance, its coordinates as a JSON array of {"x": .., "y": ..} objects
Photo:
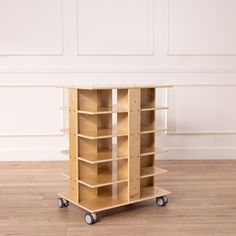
[
  {"x": 166, "y": 199},
  {"x": 89, "y": 219},
  {"x": 66, "y": 203},
  {"x": 62, "y": 203},
  {"x": 161, "y": 201},
  {"x": 95, "y": 217}
]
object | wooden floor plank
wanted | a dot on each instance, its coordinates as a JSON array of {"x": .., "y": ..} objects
[{"x": 202, "y": 202}]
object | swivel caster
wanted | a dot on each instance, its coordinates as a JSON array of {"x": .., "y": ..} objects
[
  {"x": 161, "y": 201},
  {"x": 91, "y": 218},
  {"x": 62, "y": 203}
]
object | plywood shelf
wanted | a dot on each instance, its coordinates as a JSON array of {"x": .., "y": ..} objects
[
  {"x": 151, "y": 129},
  {"x": 147, "y": 108},
  {"x": 103, "y": 110},
  {"x": 103, "y": 133},
  {"x": 104, "y": 201},
  {"x": 151, "y": 171},
  {"x": 152, "y": 192},
  {"x": 118, "y": 86},
  {"x": 145, "y": 151},
  {"x": 100, "y": 180},
  {"x": 99, "y": 110}
]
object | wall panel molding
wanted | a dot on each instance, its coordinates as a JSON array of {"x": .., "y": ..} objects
[
  {"x": 62, "y": 118},
  {"x": 79, "y": 53},
  {"x": 200, "y": 132},
  {"x": 12, "y": 53},
  {"x": 119, "y": 69},
  {"x": 209, "y": 4}
]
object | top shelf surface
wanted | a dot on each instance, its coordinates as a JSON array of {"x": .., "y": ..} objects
[{"x": 118, "y": 86}]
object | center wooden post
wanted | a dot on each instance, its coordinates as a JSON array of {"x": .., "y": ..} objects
[{"x": 134, "y": 143}]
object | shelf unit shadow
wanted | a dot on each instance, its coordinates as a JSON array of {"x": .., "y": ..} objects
[{"x": 112, "y": 147}]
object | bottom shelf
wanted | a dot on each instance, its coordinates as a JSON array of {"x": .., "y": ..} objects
[
  {"x": 152, "y": 192},
  {"x": 105, "y": 201}
]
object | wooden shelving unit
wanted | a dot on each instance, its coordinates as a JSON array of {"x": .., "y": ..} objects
[{"x": 112, "y": 147}]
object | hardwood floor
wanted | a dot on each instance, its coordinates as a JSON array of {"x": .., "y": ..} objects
[{"x": 203, "y": 202}]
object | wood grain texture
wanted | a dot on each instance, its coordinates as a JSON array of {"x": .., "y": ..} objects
[{"x": 202, "y": 203}]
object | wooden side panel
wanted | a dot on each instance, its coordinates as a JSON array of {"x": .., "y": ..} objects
[
  {"x": 104, "y": 98},
  {"x": 147, "y": 161},
  {"x": 87, "y": 99},
  {"x": 147, "y": 97},
  {"x": 87, "y": 146},
  {"x": 148, "y": 140},
  {"x": 87, "y": 123},
  {"x": 122, "y": 190},
  {"x": 73, "y": 144},
  {"x": 148, "y": 119},
  {"x": 134, "y": 144},
  {"x": 122, "y": 98}
]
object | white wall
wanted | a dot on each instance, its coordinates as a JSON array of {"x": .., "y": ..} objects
[{"x": 190, "y": 43}]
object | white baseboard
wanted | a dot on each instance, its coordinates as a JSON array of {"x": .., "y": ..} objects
[{"x": 173, "y": 154}]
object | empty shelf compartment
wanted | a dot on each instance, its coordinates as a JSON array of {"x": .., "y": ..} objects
[
  {"x": 102, "y": 179},
  {"x": 102, "y": 202}
]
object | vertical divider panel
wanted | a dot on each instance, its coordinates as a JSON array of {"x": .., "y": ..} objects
[
  {"x": 134, "y": 98},
  {"x": 73, "y": 143},
  {"x": 88, "y": 99}
]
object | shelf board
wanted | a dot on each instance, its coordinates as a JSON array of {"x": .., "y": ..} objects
[
  {"x": 103, "y": 156},
  {"x": 152, "y": 192},
  {"x": 144, "y": 108},
  {"x": 103, "y": 110},
  {"x": 144, "y": 130},
  {"x": 101, "y": 180},
  {"x": 114, "y": 109},
  {"x": 118, "y": 86},
  {"x": 105, "y": 201},
  {"x": 151, "y": 171},
  {"x": 151, "y": 129},
  {"x": 145, "y": 151},
  {"x": 103, "y": 133},
  {"x": 100, "y": 157}
]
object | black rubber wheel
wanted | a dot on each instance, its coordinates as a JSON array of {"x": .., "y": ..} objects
[
  {"x": 60, "y": 202},
  {"x": 161, "y": 201},
  {"x": 95, "y": 217},
  {"x": 166, "y": 199},
  {"x": 66, "y": 203},
  {"x": 89, "y": 219}
]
